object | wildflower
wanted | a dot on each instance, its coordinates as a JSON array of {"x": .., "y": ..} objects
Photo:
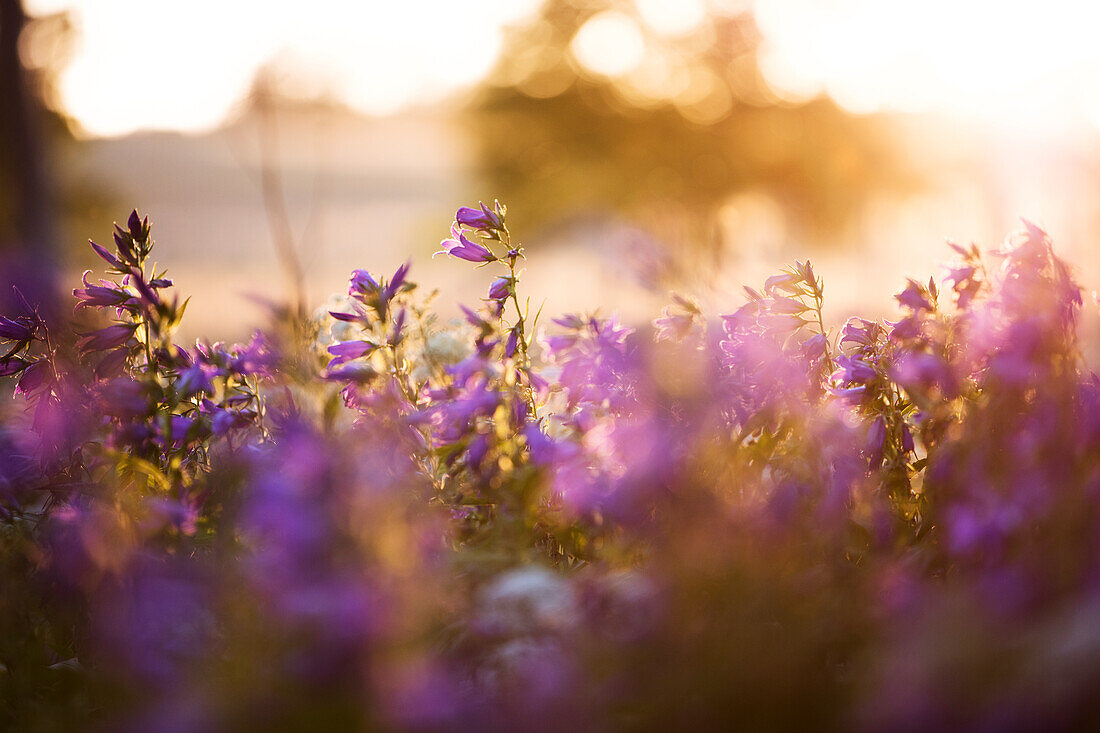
[
  {"x": 104, "y": 295},
  {"x": 125, "y": 246},
  {"x": 255, "y": 358},
  {"x": 673, "y": 326},
  {"x": 851, "y": 395},
  {"x": 14, "y": 330},
  {"x": 194, "y": 380},
  {"x": 109, "y": 258},
  {"x": 678, "y": 320},
  {"x": 35, "y": 375},
  {"x": 12, "y": 365},
  {"x": 397, "y": 333},
  {"x": 907, "y": 445},
  {"x": 859, "y": 332},
  {"x": 915, "y": 297},
  {"x": 396, "y": 282},
  {"x": 786, "y": 281},
  {"x": 852, "y": 369},
  {"x": 464, "y": 249},
  {"x": 814, "y": 347},
  {"x": 138, "y": 229},
  {"x": 112, "y": 363},
  {"x": 107, "y": 338},
  {"x": 787, "y": 306},
  {"x": 876, "y": 439},
  {"x": 348, "y": 350},
  {"x": 501, "y": 288},
  {"x": 347, "y": 317},
  {"x": 482, "y": 218},
  {"x": 362, "y": 283}
]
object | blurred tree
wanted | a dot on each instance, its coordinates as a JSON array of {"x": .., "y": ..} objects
[
  {"x": 667, "y": 142},
  {"x": 37, "y": 210}
]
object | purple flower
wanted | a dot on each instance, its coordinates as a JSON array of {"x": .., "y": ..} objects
[
  {"x": 362, "y": 282},
  {"x": 512, "y": 343},
  {"x": 860, "y": 332},
  {"x": 540, "y": 447},
  {"x": 396, "y": 282},
  {"x": 500, "y": 288},
  {"x": 464, "y": 249},
  {"x": 112, "y": 363},
  {"x": 788, "y": 306},
  {"x": 15, "y": 331},
  {"x": 136, "y": 226},
  {"x": 194, "y": 380},
  {"x": 815, "y": 346},
  {"x": 477, "y": 450},
  {"x": 907, "y": 439},
  {"x": 347, "y": 317},
  {"x": 223, "y": 420},
  {"x": 571, "y": 321},
  {"x": 785, "y": 281},
  {"x": 109, "y": 258},
  {"x": 110, "y": 337},
  {"x": 473, "y": 318},
  {"x": 483, "y": 218},
  {"x": 146, "y": 291},
  {"x": 876, "y": 439},
  {"x": 125, "y": 244},
  {"x": 254, "y": 358},
  {"x": 348, "y": 350},
  {"x": 673, "y": 326},
  {"x": 852, "y": 369},
  {"x": 915, "y": 297},
  {"x": 34, "y": 376},
  {"x": 123, "y": 397},
  {"x": 104, "y": 295},
  {"x": 851, "y": 395},
  {"x": 12, "y": 365},
  {"x": 397, "y": 332}
]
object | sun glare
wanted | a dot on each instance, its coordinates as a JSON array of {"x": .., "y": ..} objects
[
  {"x": 1026, "y": 65},
  {"x": 141, "y": 64}
]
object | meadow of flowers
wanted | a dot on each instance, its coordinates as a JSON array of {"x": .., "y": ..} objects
[{"x": 375, "y": 520}]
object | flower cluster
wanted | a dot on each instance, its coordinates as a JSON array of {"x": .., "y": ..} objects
[{"x": 748, "y": 520}]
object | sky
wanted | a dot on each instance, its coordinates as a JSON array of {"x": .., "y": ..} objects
[{"x": 143, "y": 64}]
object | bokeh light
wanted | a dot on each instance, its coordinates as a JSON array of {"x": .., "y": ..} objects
[{"x": 609, "y": 44}]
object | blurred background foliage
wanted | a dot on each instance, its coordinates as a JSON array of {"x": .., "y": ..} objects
[
  {"x": 667, "y": 144},
  {"x": 308, "y": 144}
]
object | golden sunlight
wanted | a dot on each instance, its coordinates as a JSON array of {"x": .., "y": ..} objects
[
  {"x": 1024, "y": 65},
  {"x": 143, "y": 65}
]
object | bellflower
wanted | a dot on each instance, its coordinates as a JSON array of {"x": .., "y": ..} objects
[
  {"x": 106, "y": 294},
  {"x": 852, "y": 369},
  {"x": 362, "y": 283},
  {"x": 482, "y": 218},
  {"x": 12, "y": 365},
  {"x": 501, "y": 288},
  {"x": 348, "y": 350},
  {"x": 464, "y": 249},
  {"x": 915, "y": 297},
  {"x": 16, "y": 330},
  {"x": 194, "y": 380},
  {"x": 109, "y": 258},
  {"x": 107, "y": 338}
]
